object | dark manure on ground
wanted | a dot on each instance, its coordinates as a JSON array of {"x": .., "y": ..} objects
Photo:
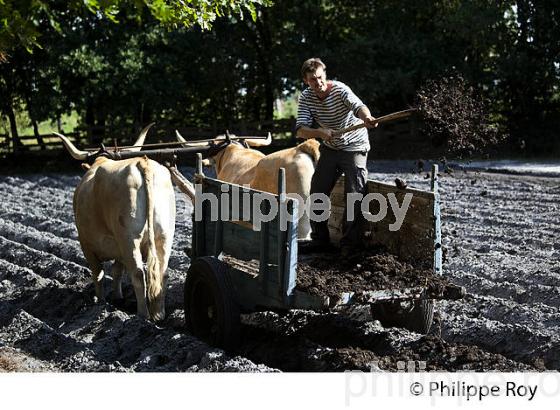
[
  {"x": 329, "y": 343},
  {"x": 429, "y": 353}
]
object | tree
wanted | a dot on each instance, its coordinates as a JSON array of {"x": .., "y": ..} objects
[
  {"x": 74, "y": 32},
  {"x": 527, "y": 67},
  {"x": 22, "y": 21},
  {"x": 150, "y": 67}
]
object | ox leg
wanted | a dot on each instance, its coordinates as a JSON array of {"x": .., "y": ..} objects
[
  {"x": 304, "y": 227},
  {"x": 163, "y": 249},
  {"x": 135, "y": 268},
  {"x": 96, "y": 276},
  {"x": 139, "y": 282},
  {"x": 301, "y": 187},
  {"x": 116, "y": 274}
]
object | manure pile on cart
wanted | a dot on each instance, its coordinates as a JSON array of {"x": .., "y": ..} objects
[{"x": 372, "y": 269}]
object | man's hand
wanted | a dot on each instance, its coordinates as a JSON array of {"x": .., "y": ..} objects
[
  {"x": 370, "y": 121},
  {"x": 325, "y": 134},
  {"x": 365, "y": 115}
]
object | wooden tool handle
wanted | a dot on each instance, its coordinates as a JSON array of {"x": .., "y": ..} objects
[{"x": 380, "y": 120}]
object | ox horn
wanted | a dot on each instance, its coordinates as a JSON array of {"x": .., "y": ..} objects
[
  {"x": 179, "y": 137},
  {"x": 140, "y": 141},
  {"x": 75, "y": 152},
  {"x": 191, "y": 143},
  {"x": 259, "y": 142}
]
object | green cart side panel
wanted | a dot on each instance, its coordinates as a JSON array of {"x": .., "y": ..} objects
[{"x": 273, "y": 246}]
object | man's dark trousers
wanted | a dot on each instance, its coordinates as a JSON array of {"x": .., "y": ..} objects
[{"x": 330, "y": 166}]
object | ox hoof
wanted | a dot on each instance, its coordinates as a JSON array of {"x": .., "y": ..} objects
[
  {"x": 144, "y": 316},
  {"x": 158, "y": 317}
]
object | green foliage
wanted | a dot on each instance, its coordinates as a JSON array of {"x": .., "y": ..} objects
[
  {"x": 68, "y": 122},
  {"x": 22, "y": 22},
  {"x": 286, "y": 107}
]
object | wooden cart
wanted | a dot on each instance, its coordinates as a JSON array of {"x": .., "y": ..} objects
[{"x": 236, "y": 268}]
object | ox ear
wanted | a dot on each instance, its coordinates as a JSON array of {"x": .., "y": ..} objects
[
  {"x": 86, "y": 167},
  {"x": 259, "y": 142},
  {"x": 140, "y": 141},
  {"x": 71, "y": 148}
]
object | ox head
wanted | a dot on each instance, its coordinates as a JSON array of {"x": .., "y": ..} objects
[
  {"x": 250, "y": 142},
  {"x": 83, "y": 155}
]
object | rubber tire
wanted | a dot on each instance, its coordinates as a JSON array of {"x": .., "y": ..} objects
[
  {"x": 211, "y": 312},
  {"x": 417, "y": 319}
]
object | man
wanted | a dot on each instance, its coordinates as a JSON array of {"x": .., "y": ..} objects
[{"x": 326, "y": 106}]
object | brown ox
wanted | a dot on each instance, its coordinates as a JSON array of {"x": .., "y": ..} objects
[
  {"x": 125, "y": 211},
  {"x": 245, "y": 166}
]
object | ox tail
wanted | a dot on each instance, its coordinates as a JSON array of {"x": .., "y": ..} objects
[
  {"x": 311, "y": 148},
  {"x": 153, "y": 284}
]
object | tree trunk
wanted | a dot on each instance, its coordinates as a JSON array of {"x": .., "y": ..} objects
[
  {"x": 39, "y": 137},
  {"x": 90, "y": 122},
  {"x": 260, "y": 34},
  {"x": 16, "y": 142},
  {"x": 266, "y": 66},
  {"x": 100, "y": 126},
  {"x": 141, "y": 115}
]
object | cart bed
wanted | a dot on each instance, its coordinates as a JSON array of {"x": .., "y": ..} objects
[{"x": 264, "y": 263}]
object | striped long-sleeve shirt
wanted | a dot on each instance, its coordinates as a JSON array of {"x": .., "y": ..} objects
[{"x": 338, "y": 110}]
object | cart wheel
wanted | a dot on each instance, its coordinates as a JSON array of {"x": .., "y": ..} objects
[
  {"x": 416, "y": 316},
  {"x": 211, "y": 312}
]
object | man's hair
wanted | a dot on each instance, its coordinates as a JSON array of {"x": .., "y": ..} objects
[{"x": 311, "y": 65}]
